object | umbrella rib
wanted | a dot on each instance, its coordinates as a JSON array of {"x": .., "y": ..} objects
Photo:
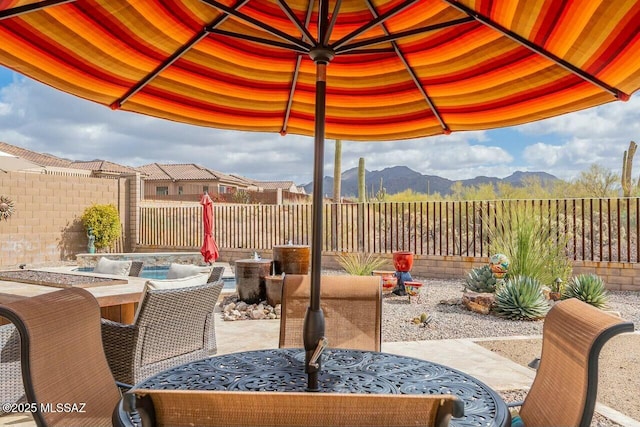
[
  {"x": 259, "y": 40},
  {"x": 293, "y": 18},
  {"x": 332, "y": 23},
  {"x": 160, "y": 68},
  {"x": 267, "y": 28},
  {"x": 377, "y": 21},
  {"x": 173, "y": 58},
  {"x": 20, "y": 10},
  {"x": 539, "y": 50},
  {"x": 294, "y": 81},
  {"x": 294, "y": 77},
  {"x": 411, "y": 71},
  {"x": 400, "y": 35}
]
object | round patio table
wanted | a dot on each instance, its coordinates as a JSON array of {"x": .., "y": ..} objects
[{"x": 343, "y": 371}]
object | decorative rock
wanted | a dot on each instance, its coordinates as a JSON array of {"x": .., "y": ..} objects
[
  {"x": 233, "y": 309},
  {"x": 478, "y": 302}
]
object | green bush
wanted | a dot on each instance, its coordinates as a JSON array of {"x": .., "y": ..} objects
[
  {"x": 105, "y": 222},
  {"x": 481, "y": 280},
  {"x": 359, "y": 264},
  {"x": 521, "y": 298},
  {"x": 534, "y": 246},
  {"x": 588, "y": 288}
]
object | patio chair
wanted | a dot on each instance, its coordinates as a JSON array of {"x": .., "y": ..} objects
[
  {"x": 11, "y": 388},
  {"x": 276, "y": 409},
  {"x": 564, "y": 390},
  {"x": 172, "y": 326},
  {"x": 136, "y": 268},
  {"x": 352, "y": 307},
  {"x": 216, "y": 274},
  {"x": 62, "y": 358}
]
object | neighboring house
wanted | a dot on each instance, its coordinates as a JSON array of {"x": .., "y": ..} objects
[
  {"x": 184, "y": 181},
  {"x": 103, "y": 168},
  {"x": 274, "y": 192},
  {"x": 288, "y": 186}
]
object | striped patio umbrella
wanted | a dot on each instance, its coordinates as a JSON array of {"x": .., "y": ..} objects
[{"x": 348, "y": 69}]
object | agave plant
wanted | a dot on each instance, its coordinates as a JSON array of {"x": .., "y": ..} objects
[
  {"x": 588, "y": 288},
  {"x": 359, "y": 264},
  {"x": 481, "y": 280},
  {"x": 521, "y": 298}
]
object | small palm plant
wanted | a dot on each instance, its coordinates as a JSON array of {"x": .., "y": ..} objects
[
  {"x": 359, "y": 264},
  {"x": 521, "y": 298},
  {"x": 588, "y": 288}
]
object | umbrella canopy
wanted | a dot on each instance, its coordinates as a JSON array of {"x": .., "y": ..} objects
[
  {"x": 209, "y": 248},
  {"x": 400, "y": 68},
  {"x": 347, "y": 69}
]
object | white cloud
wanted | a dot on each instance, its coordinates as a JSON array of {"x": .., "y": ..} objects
[{"x": 39, "y": 118}]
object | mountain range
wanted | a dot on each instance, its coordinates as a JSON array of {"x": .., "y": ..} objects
[{"x": 400, "y": 178}]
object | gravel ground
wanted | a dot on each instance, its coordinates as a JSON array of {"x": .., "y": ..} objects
[
  {"x": 619, "y": 381},
  {"x": 455, "y": 321}
]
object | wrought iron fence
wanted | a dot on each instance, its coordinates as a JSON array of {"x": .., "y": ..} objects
[{"x": 596, "y": 229}]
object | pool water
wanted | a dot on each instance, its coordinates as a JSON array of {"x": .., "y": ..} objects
[{"x": 159, "y": 272}]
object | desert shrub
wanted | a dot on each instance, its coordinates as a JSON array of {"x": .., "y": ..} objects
[
  {"x": 481, "y": 279},
  {"x": 359, "y": 264},
  {"x": 105, "y": 222},
  {"x": 534, "y": 246},
  {"x": 588, "y": 288},
  {"x": 521, "y": 298}
]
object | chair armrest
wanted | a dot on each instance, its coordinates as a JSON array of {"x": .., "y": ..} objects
[{"x": 118, "y": 341}]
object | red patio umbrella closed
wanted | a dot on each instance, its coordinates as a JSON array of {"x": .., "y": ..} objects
[{"x": 209, "y": 248}]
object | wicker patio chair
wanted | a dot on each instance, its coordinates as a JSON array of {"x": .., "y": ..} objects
[
  {"x": 11, "y": 387},
  {"x": 62, "y": 358},
  {"x": 216, "y": 274},
  {"x": 564, "y": 390},
  {"x": 136, "y": 268},
  {"x": 277, "y": 409},
  {"x": 352, "y": 307},
  {"x": 172, "y": 326}
]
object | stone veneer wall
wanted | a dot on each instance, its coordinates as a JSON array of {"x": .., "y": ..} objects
[
  {"x": 149, "y": 259},
  {"x": 45, "y": 228},
  {"x": 617, "y": 275}
]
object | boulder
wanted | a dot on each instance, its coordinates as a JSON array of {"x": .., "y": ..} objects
[{"x": 478, "y": 302}]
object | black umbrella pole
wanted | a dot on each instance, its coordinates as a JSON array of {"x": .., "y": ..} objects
[{"x": 314, "y": 318}]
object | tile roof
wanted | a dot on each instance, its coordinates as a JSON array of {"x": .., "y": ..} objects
[
  {"x": 102, "y": 166},
  {"x": 38, "y": 158},
  {"x": 186, "y": 172}
]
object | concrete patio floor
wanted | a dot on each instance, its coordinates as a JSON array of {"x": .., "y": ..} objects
[{"x": 462, "y": 354}]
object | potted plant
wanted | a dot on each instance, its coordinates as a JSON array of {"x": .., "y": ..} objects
[{"x": 102, "y": 223}]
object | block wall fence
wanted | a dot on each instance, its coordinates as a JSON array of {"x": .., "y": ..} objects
[{"x": 45, "y": 229}]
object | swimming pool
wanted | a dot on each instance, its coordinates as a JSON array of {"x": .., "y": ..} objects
[{"x": 159, "y": 272}]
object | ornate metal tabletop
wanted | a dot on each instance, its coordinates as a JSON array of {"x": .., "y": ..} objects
[{"x": 343, "y": 371}]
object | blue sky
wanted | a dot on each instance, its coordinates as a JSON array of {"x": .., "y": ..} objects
[{"x": 42, "y": 119}]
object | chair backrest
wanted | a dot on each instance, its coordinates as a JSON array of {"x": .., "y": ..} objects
[
  {"x": 564, "y": 390},
  {"x": 352, "y": 307},
  {"x": 216, "y": 274},
  {"x": 11, "y": 388},
  {"x": 62, "y": 357},
  {"x": 136, "y": 268},
  {"x": 177, "y": 316},
  {"x": 229, "y": 408}
]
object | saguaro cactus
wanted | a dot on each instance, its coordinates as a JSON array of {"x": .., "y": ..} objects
[
  {"x": 362, "y": 191},
  {"x": 627, "y": 166}
]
